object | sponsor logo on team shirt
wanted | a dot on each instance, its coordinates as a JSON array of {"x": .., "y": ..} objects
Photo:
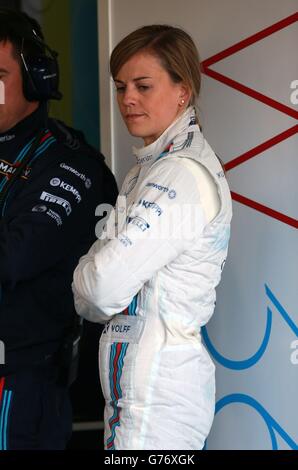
[
  {"x": 7, "y": 138},
  {"x": 8, "y": 169},
  {"x": 55, "y": 182},
  {"x": 130, "y": 185},
  {"x": 67, "y": 187},
  {"x": 150, "y": 205},
  {"x": 39, "y": 208},
  {"x": 125, "y": 240},
  {"x": 221, "y": 174},
  {"x": 55, "y": 216},
  {"x": 141, "y": 223},
  {"x": 88, "y": 183},
  {"x": 141, "y": 160},
  {"x": 171, "y": 192},
  {"x": 56, "y": 200},
  {"x": 83, "y": 177}
]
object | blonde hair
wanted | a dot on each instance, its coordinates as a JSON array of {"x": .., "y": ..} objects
[{"x": 174, "y": 48}]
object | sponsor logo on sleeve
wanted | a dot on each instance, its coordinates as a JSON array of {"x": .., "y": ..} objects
[
  {"x": 56, "y": 200},
  {"x": 150, "y": 205},
  {"x": 39, "y": 208},
  {"x": 146, "y": 158},
  {"x": 220, "y": 174},
  {"x": 55, "y": 216},
  {"x": 125, "y": 240},
  {"x": 7, "y": 138},
  {"x": 87, "y": 181},
  {"x": 56, "y": 182},
  {"x": 141, "y": 223},
  {"x": 130, "y": 185},
  {"x": 164, "y": 189}
]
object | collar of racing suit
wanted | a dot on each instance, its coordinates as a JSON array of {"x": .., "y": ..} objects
[
  {"x": 168, "y": 139},
  {"x": 12, "y": 140}
]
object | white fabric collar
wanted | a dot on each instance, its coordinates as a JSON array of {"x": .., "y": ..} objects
[{"x": 172, "y": 135}]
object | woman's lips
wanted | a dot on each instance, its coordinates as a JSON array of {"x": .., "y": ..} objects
[{"x": 133, "y": 117}]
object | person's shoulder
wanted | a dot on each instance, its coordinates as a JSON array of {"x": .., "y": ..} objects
[
  {"x": 73, "y": 144},
  {"x": 83, "y": 156},
  {"x": 129, "y": 181},
  {"x": 172, "y": 164},
  {"x": 173, "y": 175},
  {"x": 132, "y": 172}
]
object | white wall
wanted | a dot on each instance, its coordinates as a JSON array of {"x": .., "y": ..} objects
[{"x": 258, "y": 394}]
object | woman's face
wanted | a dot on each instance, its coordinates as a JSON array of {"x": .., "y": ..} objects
[{"x": 149, "y": 101}]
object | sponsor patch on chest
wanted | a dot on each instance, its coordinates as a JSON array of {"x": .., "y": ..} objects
[{"x": 8, "y": 169}]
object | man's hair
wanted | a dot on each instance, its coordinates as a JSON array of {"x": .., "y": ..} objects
[{"x": 16, "y": 27}]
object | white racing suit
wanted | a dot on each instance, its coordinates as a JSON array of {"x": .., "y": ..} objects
[{"x": 154, "y": 286}]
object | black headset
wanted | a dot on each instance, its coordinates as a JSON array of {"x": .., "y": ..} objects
[{"x": 40, "y": 72}]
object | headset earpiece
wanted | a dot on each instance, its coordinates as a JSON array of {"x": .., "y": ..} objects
[
  {"x": 40, "y": 78},
  {"x": 40, "y": 72}
]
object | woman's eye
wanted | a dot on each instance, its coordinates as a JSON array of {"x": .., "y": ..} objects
[
  {"x": 143, "y": 87},
  {"x": 120, "y": 89}
]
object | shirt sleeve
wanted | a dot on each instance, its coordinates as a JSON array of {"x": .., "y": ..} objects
[
  {"x": 48, "y": 218},
  {"x": 83, "y": 307},
  {"x": 164, "y": 220}
]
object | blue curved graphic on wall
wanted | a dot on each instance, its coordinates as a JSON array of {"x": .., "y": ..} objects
[
  {"x": 281, "y": 310},
  {"x": 245, "y": 364},
  {"x": 271, "y": 423}
]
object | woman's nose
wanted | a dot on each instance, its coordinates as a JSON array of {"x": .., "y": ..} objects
[{"x": 129, "y": 96}]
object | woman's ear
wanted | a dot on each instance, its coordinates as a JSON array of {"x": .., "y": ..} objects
[{"x": 185, "y": 95}]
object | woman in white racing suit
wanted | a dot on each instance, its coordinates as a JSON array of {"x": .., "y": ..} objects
[{"x": 152, "y": 278}]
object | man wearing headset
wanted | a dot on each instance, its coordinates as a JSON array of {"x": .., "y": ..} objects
[{"x": 51, "y": 182}]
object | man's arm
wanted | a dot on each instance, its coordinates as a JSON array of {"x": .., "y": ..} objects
[{"x": 48, "y": 218}]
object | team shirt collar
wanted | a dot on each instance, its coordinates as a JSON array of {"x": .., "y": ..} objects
[{"x": 22, "y": 131}]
